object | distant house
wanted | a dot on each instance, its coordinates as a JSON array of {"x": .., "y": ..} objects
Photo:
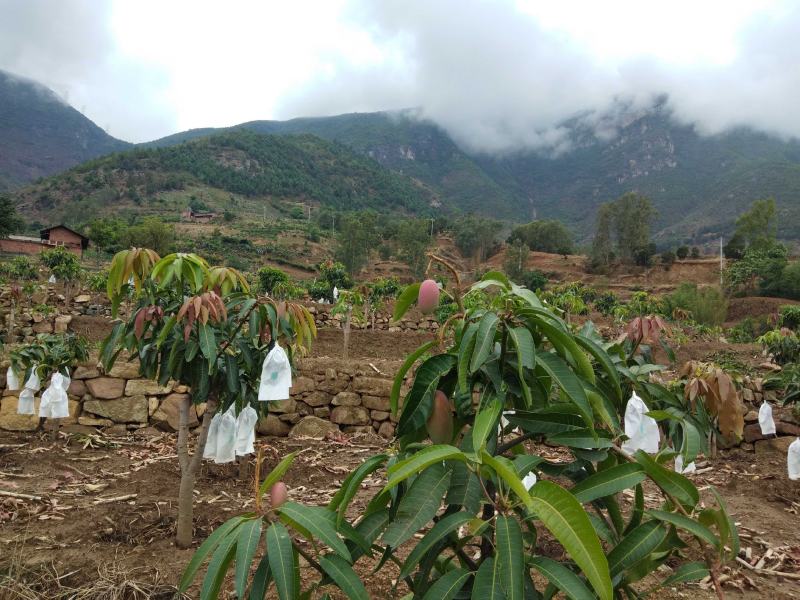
[
  {"x": 197, "y": 216},
  {"x": 58, "y": 235}
]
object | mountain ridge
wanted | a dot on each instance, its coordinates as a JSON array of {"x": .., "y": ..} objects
[{"x": 698, "y": 183}]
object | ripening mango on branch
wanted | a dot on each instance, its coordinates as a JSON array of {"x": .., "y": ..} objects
[
  {"x": 440, "y": 423},
  {"x": 278, "y": 494},
  {"x": 428, "y": 298}
]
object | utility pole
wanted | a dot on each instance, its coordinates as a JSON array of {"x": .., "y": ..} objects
[
  {"x": 333, "y": 224},
  {"x": 721, "y": 262},
  {"x": 432, "y": 220}
]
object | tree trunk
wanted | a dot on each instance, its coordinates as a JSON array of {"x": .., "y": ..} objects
[
  {"x": 11, "y": 325},
  {"x": 347, "y": 318},
  {"x": 53, "y": 425},
  {"x": 244, "y": 467},
  {"x": 189, "y": 467}
]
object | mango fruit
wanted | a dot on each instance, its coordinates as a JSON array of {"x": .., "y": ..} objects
[
  {"x": 278, "y": 494},
  {"x": 440, "y": 423},
  {"x": 428, "y": 298}
]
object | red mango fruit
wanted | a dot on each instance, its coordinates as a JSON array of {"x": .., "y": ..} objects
[
  {"x": 278, "y": 494},
  {"x": 440, "y": 423},
  {"x": 428, "y": 298}
]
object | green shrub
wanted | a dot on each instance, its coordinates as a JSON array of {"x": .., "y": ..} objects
[
  {"x": 790, "y": 316},
  {"x": 682, "y": 252},
  {"x": 269, "y": 278},
  {"x": 667, "y": 258},
  {"x": 97, "y": 281},
  {"x": 534, "y": 280},
  {"x": 695, "y": 252},
  {"x": 19, "y": 268},
  {"x": 748, "y": 330},
  {"x": 707, "y": 304},
  {"x": 606, "y": 302},
  {"x": 784, "y": 345}
]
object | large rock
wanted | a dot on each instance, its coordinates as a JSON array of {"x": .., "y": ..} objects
[
  {"x": 282, "y": 406},
  {"x": 43, "y": 327},
  {"x": 61, "y": 323},
  {"x": 752, "y": 433},
  {"x": 147, "y": 387},
  {"x": 386, "y": 430},
  {"x": 106, "y": 388},
  {"x": 82, "y": 299},
  {"x": 778, "y": 445},
  {"x": 301, "y": 385},
  {"x": 168, "y": 414},
  {"x": 315, "y": 399},
  {"x": 313, "y": 427},
  {"x": 125, "y": 369},
  {"x": 87, "y": 421},
  {"x": 84, "y": 372},
  {"x": 77, "y": 388},
  {"x": 129, "y": 409},
  {"x": 11, "y": 421},
  {"x": 272, "y": 425},
  {"x": 350, "y": 415},
  {"x": 335, "y": 385},
  {"x": 346, "y": 399},
  {"x": 376, "y": 403},
  {"x": 372, "y": 386}
]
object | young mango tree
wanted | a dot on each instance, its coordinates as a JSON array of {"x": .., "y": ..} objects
[
  {"x": 200, "y": 326},
  {"x": 47, "y": 355},
  {"x": 486, "y": 507}
]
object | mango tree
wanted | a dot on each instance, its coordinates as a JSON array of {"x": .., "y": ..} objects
[
  {"x": 479, "y": 510},
  {"x": 47, "y": 355},
  {"x": 200, "y": 326}
]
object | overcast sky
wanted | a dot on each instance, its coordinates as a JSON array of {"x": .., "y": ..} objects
[{"x": 498, "y": 75}]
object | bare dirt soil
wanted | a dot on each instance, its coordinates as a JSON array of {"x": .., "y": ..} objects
[{"x": 98, "y": 517}]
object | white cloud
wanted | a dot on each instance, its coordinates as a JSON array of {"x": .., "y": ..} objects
[{"x": 499, "y": 75}]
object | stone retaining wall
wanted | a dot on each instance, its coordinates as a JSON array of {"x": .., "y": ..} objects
[
  {"x": 412, "y": 321},
  {"x": 328, "y": 395}
]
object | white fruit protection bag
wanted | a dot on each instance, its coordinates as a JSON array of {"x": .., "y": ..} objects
[
  {"x": 55, "y": 402},
  {"x": 12, "y": 380},
  {"x": 25, "y": 404},
  {"x": 793, "y": 460},
  {"x": 690, "y": 468},
  {"x": 642, "y": 430},
  {"x": 276, "y": 376},
  {"x": 765, "y": 419},
  {"x": 33, "y": 382},
  {"x": 246, "y": 431},
  {"x": 210, "y": 451},
  {"x": 226, "y": 437}
]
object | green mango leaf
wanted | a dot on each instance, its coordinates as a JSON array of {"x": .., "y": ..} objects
[
  {"x": 485, "y": 423},
  {"x": 566, "y": 519},
  {"x": 582, "y": 438},
  {"x": 693, "y": 571},
  {"x": 352, "y": 484},
  {"x": 636, "y": 546},
  {"x": 318, "y": 521},
  {"x": 672, "y": 483},
  {"x": 448, "y": 585},
  {"x": 212, "y": 541},
  {"x": 545, "y": 423},
  {"x": 527, "y": 295},
  {"x": 246, "y": 544},
  {"x": 276, "y": 473},
  {"x": 281, "y": 561},
  {"x": 419, "y": 402},
  {"x": 509, "y": 556},
  {"x": 419, "y": 505},
  {"x": 608, "y": 482},
  {"x": 438, "y": 532},
  {"x": 687, "y": 524},
  {"x": 406, "y": 298},
  {"x": 562, "y": 578},
  {"x": 343, "y": 575},
  {"x": 484, "y": 340},
  {"x": 420, "y": 460},
  {"x": 488, "y": 583},
  {"x": 465, "y": 351},
  {"x": 394, "y": 396},
  {"x": 208, "y": 341},
  {"x": 605, "y": 362},
  {"x": 569, "y": 382},
  {"x": 261, "y": 579},
  {"x": 497, "y": 278},
  {"x": 465, "y": 489},
  {"x": 217, "y": 567}
]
